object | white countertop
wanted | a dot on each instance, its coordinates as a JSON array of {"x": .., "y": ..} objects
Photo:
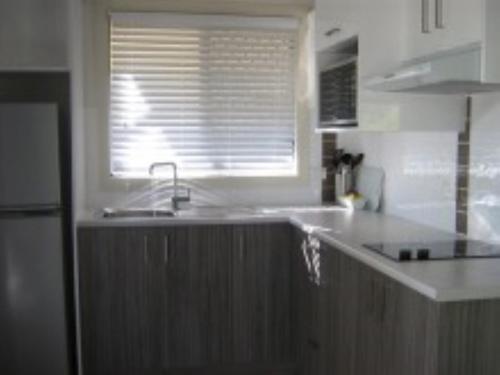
[{"x": 443, "y": 280}]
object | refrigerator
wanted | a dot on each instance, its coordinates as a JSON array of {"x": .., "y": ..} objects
[{"x": 33, "y": 307}]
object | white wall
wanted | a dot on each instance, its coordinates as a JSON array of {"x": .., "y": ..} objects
[
  {"x": 75, "y": 52},
  {"x": 484, "y": 191},
  {"x": 103, "y": 191},
  {"x": 33, "y": 34},
  {"x": 420, "y": 169}
]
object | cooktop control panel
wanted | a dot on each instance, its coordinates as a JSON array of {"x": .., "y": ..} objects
[{"x": 423, "y": 251}]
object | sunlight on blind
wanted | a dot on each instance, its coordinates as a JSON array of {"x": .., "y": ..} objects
[{"x": 217, "y": 101}]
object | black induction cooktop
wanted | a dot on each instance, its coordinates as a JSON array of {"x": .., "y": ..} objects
[{"x": 423, "y": 251}]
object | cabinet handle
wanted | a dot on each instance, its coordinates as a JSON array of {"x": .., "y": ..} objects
[
  {"x": 439, "y": 14},
  {"x": 146, "y": 252},
  {"x": 333, "y": 30},
  {"x": 426, "y": 28},
  {"x": 383, "y": 307},
  {"x": 165, "y": 250},
  {"x": 241, "y": 247}
]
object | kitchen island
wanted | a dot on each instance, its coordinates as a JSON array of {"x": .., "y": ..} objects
[{"x": 280, "y": 290}]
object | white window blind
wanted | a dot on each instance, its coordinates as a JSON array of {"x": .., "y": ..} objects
[{"x": 214, "y": 94}]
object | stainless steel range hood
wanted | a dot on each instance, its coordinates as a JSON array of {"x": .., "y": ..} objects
[{"x": 455, "y": 72}]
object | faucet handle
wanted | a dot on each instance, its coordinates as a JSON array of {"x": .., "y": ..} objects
[
  {"x": 182, "y": 189},
  {"x": 183, "y": 198}
]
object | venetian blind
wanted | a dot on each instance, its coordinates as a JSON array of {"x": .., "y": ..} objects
[{"x": 214, "y": 94}]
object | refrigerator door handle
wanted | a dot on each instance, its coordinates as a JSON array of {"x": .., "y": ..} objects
[{"x": 31, "y": 210}]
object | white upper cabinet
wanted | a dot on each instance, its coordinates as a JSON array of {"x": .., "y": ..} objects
[
  {"x": 435, "y": 26},
  {"x": 380, "y": 36},
  {"x": 381, "y": 30},
  {"x": 462, "y": 22},
  {"x": 336, "y": 21},
  {"x": 438, "y": 25},
  {"x": 381, "y": 42}
]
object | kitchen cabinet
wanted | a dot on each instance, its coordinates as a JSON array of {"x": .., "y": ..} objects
[
  {"x": 261, "y": 304},
  {"x": 123, "y": 300},
  {"x": 381, "y": 48},
  {"x": 314, "y": 304},
  {"x": 381, "y": 38},
  {"x": 263, "y": 298},
  {"x": 396, "y": 326},
  {"x": 455, "y": 24},
  {"x": 353, "y": 320},
  {"x": 305, "y": 343},
  {"x": 198, "y": 286},
  {"x": 437, "y": 25},
  {"x": 185, "y": 298},
  {"x": 336, "y": 21}
]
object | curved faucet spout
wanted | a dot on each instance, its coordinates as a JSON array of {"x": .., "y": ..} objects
[
  {"x": 153, "y": 166},
  {"x": 176, "y": 199}
]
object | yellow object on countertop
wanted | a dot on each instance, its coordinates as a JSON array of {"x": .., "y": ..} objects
[{"x": 353, "y": 201}]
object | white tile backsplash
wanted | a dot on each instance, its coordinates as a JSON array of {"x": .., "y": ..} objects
[
  {"x": 484, "y": 193},
  {"x": 420, "y": 172}
]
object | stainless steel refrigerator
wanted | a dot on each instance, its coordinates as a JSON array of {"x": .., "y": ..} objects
[{"x": 33, "y": 301}]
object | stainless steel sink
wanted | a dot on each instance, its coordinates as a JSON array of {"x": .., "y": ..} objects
[
  {"x": 190, "y": 213},
  {"x": 117, "y": 213}
]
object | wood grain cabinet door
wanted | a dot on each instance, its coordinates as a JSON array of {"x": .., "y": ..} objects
[
  {"x": 325, "y": 302},
  {"x": 123, "y": 300},
  {"x": 409, "y": 334},
  {"x": 200, "y": 286},
  {"x": 313, "y": 305},
  {"x": 302, "y": 298},
  {"x": 261, "y": 294},
  {"x": 196, "y": 298},
  {"x": 370, "y": 324},
  {"x": 397, "y": 327},
  {"x": 340, "y": 276}
]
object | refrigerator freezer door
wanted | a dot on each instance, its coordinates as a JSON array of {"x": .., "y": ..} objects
[
  {"x": 32, "y": 312},
  {"x": 29, "y": 155}
]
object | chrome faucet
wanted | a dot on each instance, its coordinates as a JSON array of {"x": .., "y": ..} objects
[{"x": 176, "y": 199}]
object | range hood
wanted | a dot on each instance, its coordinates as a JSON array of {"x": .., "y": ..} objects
[{"x": 454, "y": 72}]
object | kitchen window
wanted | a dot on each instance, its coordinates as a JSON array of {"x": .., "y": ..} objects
[{"x": 214, "y": 94}]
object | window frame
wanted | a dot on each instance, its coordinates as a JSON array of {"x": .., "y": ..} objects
[{"x": 180, "y": 20}]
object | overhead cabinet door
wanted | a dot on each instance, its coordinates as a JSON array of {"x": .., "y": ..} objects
[
  {"x": 336, "y": 21},
  {"x": 440, "y": 25}
]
